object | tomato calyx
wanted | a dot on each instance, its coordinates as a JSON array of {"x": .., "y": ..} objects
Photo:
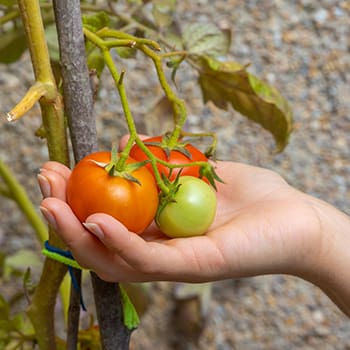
[
  {"x": 208, "y": 172},
  {"x": 124, "y": 170},
  {"x": 179, "y": 147},
  {"x": 167, "y": 144},
  {"x": 168, "y": 197}
]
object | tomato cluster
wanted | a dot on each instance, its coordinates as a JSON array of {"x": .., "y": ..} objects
[{"x": 133, "y": 197}]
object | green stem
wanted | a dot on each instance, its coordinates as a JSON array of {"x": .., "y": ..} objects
[
  {"x": 154, "y": 160},
  {"x": 112, "y": 33},
  {"x": 10, "y": 16},
  {"x": 19, "y": 195},
  {"x": 42, "y": 309},
  {"x": 118, "y": 79},
  {"x": 121, "y": 90},
  {"x": 180, "y": 113},
  {"x": 174, "y": 53},
  {"x": 214, "y": 143}
]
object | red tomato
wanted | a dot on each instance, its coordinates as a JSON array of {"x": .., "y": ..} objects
[
  {"x": 175, "y": 157},
  {"x": 90, "y": 189}
]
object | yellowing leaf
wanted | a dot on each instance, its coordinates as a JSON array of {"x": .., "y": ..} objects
[
  {"x": 229, "y": 83},
  {"x": 206, "y": 39}
]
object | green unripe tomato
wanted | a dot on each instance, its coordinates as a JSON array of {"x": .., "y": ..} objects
[{"x": 192, "y": 211}]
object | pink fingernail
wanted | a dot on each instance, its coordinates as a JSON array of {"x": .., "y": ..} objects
[
  {"x": 44, "y": 185},
  {"x": 94, "y": 229},
  {"x": 50, "y": 218}
]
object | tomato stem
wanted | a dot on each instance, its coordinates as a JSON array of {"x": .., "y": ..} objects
[
  {"x": 148, "y": 47},
  {"x": 160, "y": 183},
  {"x": 118, "y": 79},
  {"x": 180, "y": 112}
]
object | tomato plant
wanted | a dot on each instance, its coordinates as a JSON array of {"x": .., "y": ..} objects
[
  {"x": 92, "y": 189},
  {"x": 191, "y": 210},
  {"x": 190, "y": 154}
]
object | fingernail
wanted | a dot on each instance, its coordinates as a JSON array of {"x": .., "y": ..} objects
[
  {"x": 50, "y": 218},
  {"x": 44, "y": 185},
  {"x": 95, "y": 229}
]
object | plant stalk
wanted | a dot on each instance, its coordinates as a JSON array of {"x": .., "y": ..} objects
[
  {"x": 41, "y": 311},
  {"x": 79, "y": 109},
  {"x": 19, "y": 195}
]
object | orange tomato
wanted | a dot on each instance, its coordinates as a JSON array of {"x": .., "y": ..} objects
[{"x": 91, "y": 189}]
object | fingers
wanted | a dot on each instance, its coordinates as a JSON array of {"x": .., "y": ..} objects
[
  {"x": 52, "y": 180},
  {"x": 172, "y": 260},
  {"x": 58, "y": 168},
  {"x": 88, "y": 251}
]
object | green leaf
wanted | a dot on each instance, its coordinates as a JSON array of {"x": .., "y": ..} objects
[
  {"x": 52, "y": 42},
  {"x": 130, "y": 316},
  {"x": 96, "y": 61},
  {"x": 126, "y": 52},
  {"x": 206, "y": 39},
  {"x": 12, "y": 45},
  {"x": 226, "y": 83},
  {"x": 21, "y": 323},
  {"x": 20, "y": 261},
  {"x": 4, "y": 309},
  {"x": 96, "y": 21}
]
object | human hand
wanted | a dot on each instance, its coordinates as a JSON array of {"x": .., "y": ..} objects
[{"x": 262, "y": 226}]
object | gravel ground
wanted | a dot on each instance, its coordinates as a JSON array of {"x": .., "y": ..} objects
[{"x": 302, "y": 47}]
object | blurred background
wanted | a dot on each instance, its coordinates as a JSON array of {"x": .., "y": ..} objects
[{"x": 303, "y": 49}]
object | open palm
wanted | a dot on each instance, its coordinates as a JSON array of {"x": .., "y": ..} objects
[{"x": 259, "y": 228}]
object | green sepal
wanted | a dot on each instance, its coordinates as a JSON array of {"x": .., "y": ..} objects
[
  {"x": 166, "y": 198},
  {"x": 210, "y": 174},
  {"x": 128, "y": 169},
  {"x": 179, "y": 147},
  {"x": 130, "y": 317},
  {"x": 210, "y": 152}
]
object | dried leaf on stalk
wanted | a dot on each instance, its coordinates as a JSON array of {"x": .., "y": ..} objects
[{"x": 229, "y": 83}]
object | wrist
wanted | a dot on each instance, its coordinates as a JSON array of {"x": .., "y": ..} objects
[{"x": 329, "y": 265}]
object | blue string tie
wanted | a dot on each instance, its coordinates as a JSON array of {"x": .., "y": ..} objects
[{"x": 65, "y": 257}]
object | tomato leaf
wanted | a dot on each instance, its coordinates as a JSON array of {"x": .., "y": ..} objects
[
  {"x": 12, "y": 45},
  {"x": 204, "y": 38},
  {"x": 126, "y": 52},
  {"x": 19, "y": 262},
  {"x": 96, "y": 21},
  {"x": 95, "y": 61},
  {"x": 52, "y": 42},
  {"x": 226, "y": 83}
]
